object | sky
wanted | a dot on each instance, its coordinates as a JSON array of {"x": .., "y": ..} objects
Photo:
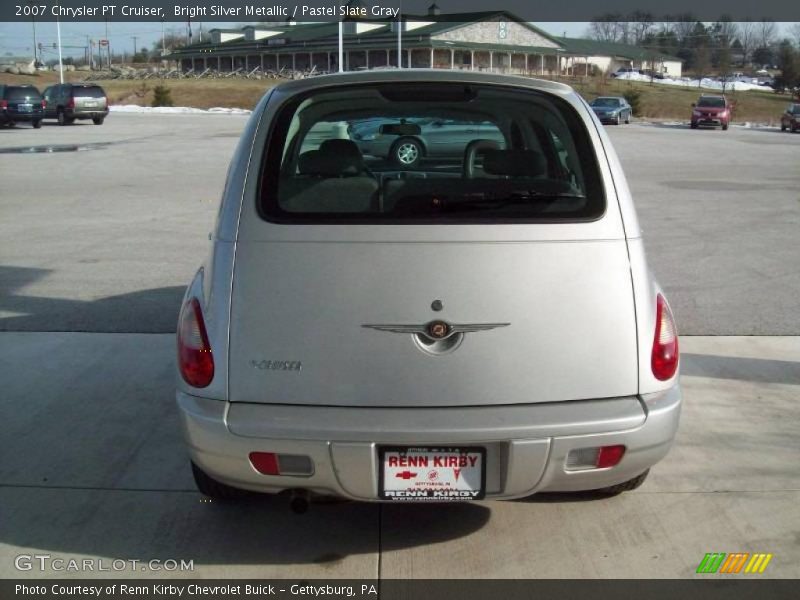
[{"x": 17, "y": 39}]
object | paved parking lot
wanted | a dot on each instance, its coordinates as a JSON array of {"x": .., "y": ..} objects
[
  {"x": 105, "y": 239},
  {"x": 98, "y": 243}
]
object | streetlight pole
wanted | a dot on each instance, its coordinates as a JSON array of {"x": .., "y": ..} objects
[
  {"x": 341, "y": 46},
  {"x": 35, "y": 47},
  {"x": 60, "y": 60},
  {"x": 400, "y": 37}
]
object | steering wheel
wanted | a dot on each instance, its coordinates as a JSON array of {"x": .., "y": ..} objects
[{"x": 471, "y": 152}]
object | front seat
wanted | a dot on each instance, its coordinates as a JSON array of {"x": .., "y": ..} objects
[{"x": 333, "y": 179}]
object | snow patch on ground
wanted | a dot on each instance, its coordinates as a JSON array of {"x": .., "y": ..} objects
[
  {"x": 705, "y": 83},
  {"x": 176, "y": 110}
]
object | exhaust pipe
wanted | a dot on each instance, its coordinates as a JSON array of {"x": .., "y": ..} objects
[{"x": 299, "y": 501}]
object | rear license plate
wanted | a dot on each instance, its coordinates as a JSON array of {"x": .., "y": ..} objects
[
  {"x": 25, "y": 107},
  {"x": 439, "y": 474},
  {"x": 90, "y": 104}
]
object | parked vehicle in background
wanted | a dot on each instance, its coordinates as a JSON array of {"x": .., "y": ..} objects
[
  {"x": 625, "y": 71},
  {"x": 790, "y": 119},
  {"x": 406, "y": 142},
  {"x": 68, "y": 102},
  {"x": 21, "y": 104},
  {"x": 711, "y": 111},
  {"x": 484, "y": 328},
  {"x": 612, "y": 109}
]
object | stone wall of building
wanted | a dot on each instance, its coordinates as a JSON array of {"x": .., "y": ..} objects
[{"x": 496, "y": 32}]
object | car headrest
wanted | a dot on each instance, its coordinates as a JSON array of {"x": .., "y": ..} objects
[
  {"x": 335, "y": 158},
  {"x": 514, "y": 163}
]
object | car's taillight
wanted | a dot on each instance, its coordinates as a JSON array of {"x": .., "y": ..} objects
[
  {"x": 44, "y": 104},
  {"x": 71, "y": 103},
  {"x": 3, "y": 104},
  {"x": 664, "y": 360},
  {"x": 195, "y": 360}
]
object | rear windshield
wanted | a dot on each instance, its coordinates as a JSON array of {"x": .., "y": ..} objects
[
  {"x": 712, "y": 102},
  {"x": 795, "y": 109},
  {"x": 88, "y": 92},
  {"x": 429, "y": 153},
  {"x": 21, "y": 94}
]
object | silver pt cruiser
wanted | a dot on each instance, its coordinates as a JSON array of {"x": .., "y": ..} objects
[{"x": 482, "y": 326}]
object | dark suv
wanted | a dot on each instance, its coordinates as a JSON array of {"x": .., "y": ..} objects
[
  {"x": 21, "y": 103},
  {"x": 69, "y": 101},
  {"x": 711, "y": 111}
]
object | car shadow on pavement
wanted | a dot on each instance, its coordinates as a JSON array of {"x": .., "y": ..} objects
[
  {"x": 145, "y": 311},
  {"x": 757, "y": 370}
]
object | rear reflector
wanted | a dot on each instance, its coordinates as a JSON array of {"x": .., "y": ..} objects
[
  {"x": 270, "y": 463},
  {"x": 609, "y": 456},
  {"x": 601, "y": 457},
  {"x": 664, "y": 360},
  {"x": 265, "y": 463},
  {"x": 195, "y": 360}
]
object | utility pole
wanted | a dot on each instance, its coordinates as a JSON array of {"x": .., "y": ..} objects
[
  {"x": 108, "y": 46},
  {"x": 33, "y": 21},
  {"x": 134, "y": 46}
]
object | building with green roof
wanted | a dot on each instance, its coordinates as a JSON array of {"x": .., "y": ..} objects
[{"x": 495, "y": 41}]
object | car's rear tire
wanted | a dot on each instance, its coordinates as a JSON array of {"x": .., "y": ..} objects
[
  {"x": 98, "y": 120},
  {"x": 37, "y": 124},
  {"x": 783, "y": 127},
  {"x": 406, "y": 152},
  {"x": 62, "y": 118},
  {"x": 693, "y": 125},
  {"x": 625, "y": 486},
  {"x": 11, "y": 124},
  {"x": 214, "y": 489},
  {"x": 724, "y": 127}
]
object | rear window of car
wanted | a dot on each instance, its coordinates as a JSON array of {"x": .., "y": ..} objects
[
  {"x": 88, "y": 92},
  {"x": 429, "y": 153},
  {"x": 20, "y": 94}
]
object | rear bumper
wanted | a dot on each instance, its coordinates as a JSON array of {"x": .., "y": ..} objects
[
  {"x": 17, "y": 117},
  {"x": 86, "y": 113},
  {"x": 527, "y": 446}
]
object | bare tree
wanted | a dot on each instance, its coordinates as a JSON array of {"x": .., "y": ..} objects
[
  {"x": 641, "y": 23},
  {"x": 765, "y": 33},
  {"x": 747, "y": 38},
  {"x": 683, "y": 27},
  {"x": 794, "y": 31},
  {"x": 702, "y": 62},
  {"x": 606, "y": 28}
]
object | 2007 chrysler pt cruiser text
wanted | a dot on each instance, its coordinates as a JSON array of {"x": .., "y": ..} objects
[{"x": 477, "y": 326}]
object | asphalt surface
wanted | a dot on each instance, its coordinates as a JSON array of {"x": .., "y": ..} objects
[
  {"x": 92, "y": 465},
  {"x": 105, "y": 239}
]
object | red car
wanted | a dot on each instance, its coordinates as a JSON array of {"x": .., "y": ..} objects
[
  {"x": 712, "y": 111},
  {"x": 791, "y": 118}
]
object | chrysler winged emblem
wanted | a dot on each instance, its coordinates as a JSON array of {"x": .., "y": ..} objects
[{"x": 436, "y": 330}]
